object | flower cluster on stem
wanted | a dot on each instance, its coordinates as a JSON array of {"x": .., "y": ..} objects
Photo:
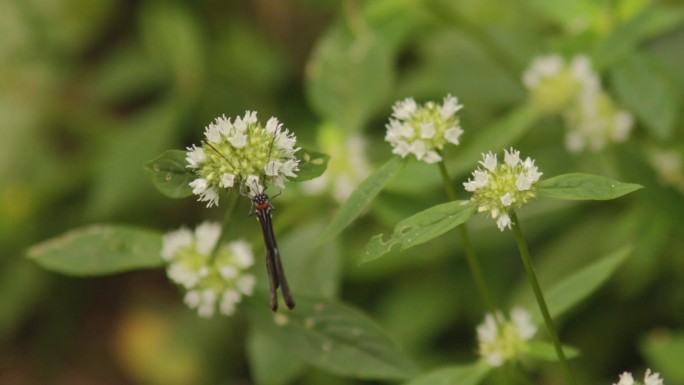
[
  {"x": 574, "y": 90},
  {"x": 499, "y": 187},
  {"x": 507, "y": 339},
  {"x": 242, "y": 153},
  {"x": 208, "y": 280},
  {"x": 424, "y": 130}
]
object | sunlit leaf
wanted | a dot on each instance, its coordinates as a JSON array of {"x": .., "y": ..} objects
[
  {"x": 576, "y": 186},
  {"x": 420, "y": 228},
  {"x": 362, "y": 197},
  {"x": 333, "y": 337},
  {"x": 100, "y": 250},
  {"x": 170, "y": 174},
  {"x": 468, "y": 374}
]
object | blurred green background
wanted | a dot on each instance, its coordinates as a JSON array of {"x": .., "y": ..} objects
[{"x": 90, "y": 91}]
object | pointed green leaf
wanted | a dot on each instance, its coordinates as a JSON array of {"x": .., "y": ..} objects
[
  {"x": 420, "y": 228},
  {"x": 362, "y": 197},
  {"x": 170, "y": 174},
  {"x": 333, "y": 337},
  {"x": 100, "y": 250},
  {"x": 578, "y": 186},
  {"x": 468, "y": 374},
  {"x": 581, "y": 284},
  {"x": 545, "y": 351},
  {"x": 270, "y": 363},
  {"x": 311, "y": 164}
]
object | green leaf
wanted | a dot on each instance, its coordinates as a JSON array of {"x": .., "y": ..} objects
[
  {"x": 468, "y": 374},
  {"x": 581, "y": 284},
  {"x": 420, "y": 228},
  {"x": 636, "y": 77},
  {"x": 664, "y": 350},
  {"x": 545, "y": 351},
  {"x": 576, "y": 186},
  {"x": 270, "y": 363},
  {"x": 170, "y": 174},
  {"x": 349, "y": 75},
  {"x": 311, "y": 164},
  {"x": 362, "y": 197},
  {"x": 333, "y": 337},
  {"x": 99, "y": 250}
]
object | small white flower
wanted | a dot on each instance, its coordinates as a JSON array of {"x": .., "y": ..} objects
[
  {"x": 206, "y": 236},
  {"x": 423, "y": 130},
  {"x": 499, "y": 188},
  {"x": 246, "y": 284},
  {"x": 174, "y": 241},
  {"x": 238, "y": 140},
  {"x": 273, "y": 168}
]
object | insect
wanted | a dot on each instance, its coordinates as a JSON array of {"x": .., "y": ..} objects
[{"x": 274, "y": 267}]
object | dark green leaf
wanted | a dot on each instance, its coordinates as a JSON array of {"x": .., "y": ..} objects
[
  {"x": 170, "y": 174},
  {"x": 311, "y": 164},
  {"x": 333, "y": 337},
  {"x": 547, "y": 352},
  {"x": 576, "y": 186},
  {"x": 100, "y": 250},
  {"x": 362, "y": 197},
  {"x": 420, "y": 228},
  {"x": 468, "y": 374},
  {"x": 581, "y": 284}
]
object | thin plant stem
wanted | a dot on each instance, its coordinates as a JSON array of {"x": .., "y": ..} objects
[
  {"x": 471, "y": 256},
  {"x": 227, "y": 218},
  {"x": 539, "y": 295}
]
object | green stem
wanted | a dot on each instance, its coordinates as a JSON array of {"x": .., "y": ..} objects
[
  {"x": 471, "y": 256},
  {"x": 529, "y": 269},
  {"x": 227, "y": 218}
]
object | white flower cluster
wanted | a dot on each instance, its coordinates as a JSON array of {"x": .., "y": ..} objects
[
  {"x": 242, "y": 153},
  {"x": 650, "y": 378},
  {"x": 574, "y": 90},
  {"x": 506, "y": 339},
  {"x": 424, "y": 130},
  {"x": 209, "y": 280},
  {"x": 500, "y": 187}
]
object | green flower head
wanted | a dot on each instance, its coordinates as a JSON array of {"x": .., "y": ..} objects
[
  {"x": 499, "y": 188},
  {"x": 507, "y": 339},
  {"x": 242, "y": 153}
]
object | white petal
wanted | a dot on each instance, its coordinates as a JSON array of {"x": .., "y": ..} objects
[
  {"x": 523, "y": 322},
  {"x": 228, "y": 273},
  {"x": 227, "y": 180},
  {"x": 195, "y": 156},
  {"x": 507, "y": 199},
  {"x": 404, "y": 109},
  {"x": 503, "y": 221},
  {"x": 206, "y": 236},
  {"x": 175, "y": 240},
  {"x": 489, "y": 162},
  {"x": 272, "y": 168},
  {"x": 652, "y": 378},
  {"x": 449, "y": 107},
  {"x": 192, "y": 298},
  {"x": 427, "y": 130},
  {"x": 488, "y": 330},
  {"x": 273, "y": 125},
  {"x": 418, "y": 148},
  {"x": 242, "y": 253},
  {"x": 401, "y": 148},
  {"x": 289, "y": 167},
  {"x": 238, "y": 140},
  {"x": 246, "y": 284},
  {"x": 625, "y": 379},
  {"x": 453, "y": 135},
  {"x": 431, "y": 157},
  {"x": 199, "y": 186},
  {"x": 252, "y": 183},
  {"x": 512, "y": 157}
]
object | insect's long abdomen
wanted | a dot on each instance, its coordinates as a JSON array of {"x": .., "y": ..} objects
[{"x": 274, "y": 266}]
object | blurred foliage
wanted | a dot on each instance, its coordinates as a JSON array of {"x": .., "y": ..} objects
[{"x": 92, "y": 91}]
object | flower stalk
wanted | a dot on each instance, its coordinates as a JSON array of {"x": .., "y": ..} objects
[{"x": 539, "y": 296}]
